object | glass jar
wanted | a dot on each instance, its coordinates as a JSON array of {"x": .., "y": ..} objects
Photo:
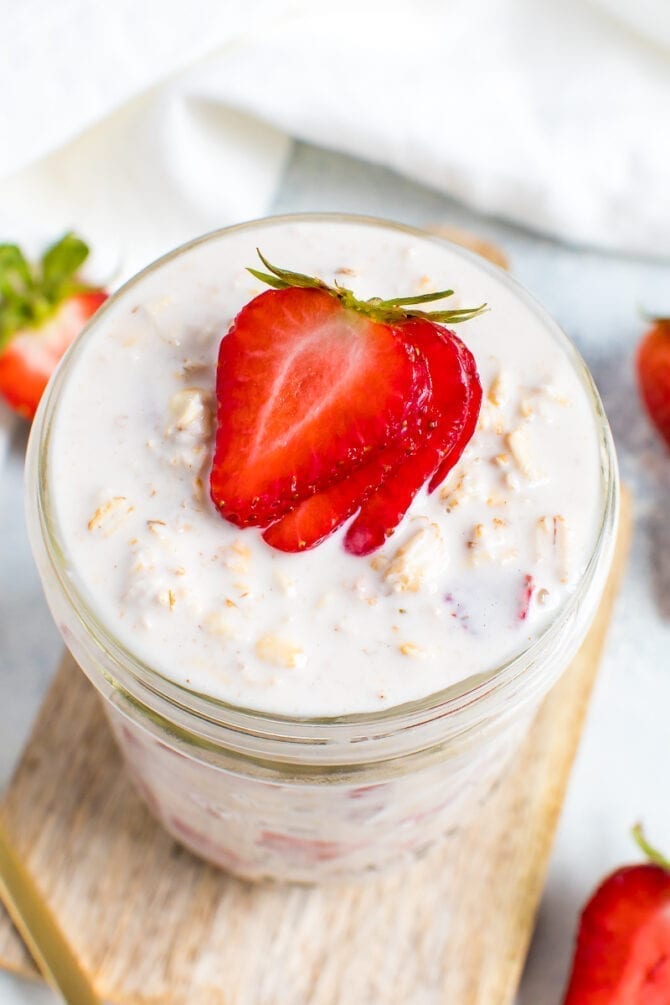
[{"x": 309, "y": 799}]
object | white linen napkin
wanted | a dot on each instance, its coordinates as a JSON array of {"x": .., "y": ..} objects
[{"x": 145, "y": 123}]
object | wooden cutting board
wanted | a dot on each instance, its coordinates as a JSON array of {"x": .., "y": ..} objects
[{"x": 152, "y": 924}]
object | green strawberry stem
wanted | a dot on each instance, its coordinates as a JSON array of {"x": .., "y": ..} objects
[
  {"x": 653, "y": 854},
  {"x": 385, "y": 311},
  {"x": 31, "y": 294}
]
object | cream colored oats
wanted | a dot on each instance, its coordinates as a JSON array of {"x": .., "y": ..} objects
[
  {"x": 110, "y": 515},
  {"x": 279, "y": 651},
  {"x": 408, "y": 569},
  {"x": 410, "y": 649}
]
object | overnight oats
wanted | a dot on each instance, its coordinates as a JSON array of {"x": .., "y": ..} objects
[{"x": 322, "y": 538}]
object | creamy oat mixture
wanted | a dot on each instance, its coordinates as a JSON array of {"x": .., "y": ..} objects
[{"x": 474, "y": 572}]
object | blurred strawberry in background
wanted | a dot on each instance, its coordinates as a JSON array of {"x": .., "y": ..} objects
[
  {"x": 43, "y": 307},
  {"x": 653, "y": 367},
  {"x": 622, "y": 955}
]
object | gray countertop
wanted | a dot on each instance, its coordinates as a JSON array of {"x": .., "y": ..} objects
[{"x": 597, "y": 299}]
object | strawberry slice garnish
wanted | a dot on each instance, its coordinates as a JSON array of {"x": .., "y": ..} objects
[
  {"x": 307, "y": 390},
  {"x": 454, "y": 448},
  {"x": 653, "y": 367},
  {"x": 622, "y": 955},
  {"x": 314, "y": 519},
  {"x": 42, "y": 310},
  {"x": 317, "y": 517},
  {"x": 450, "y": 423},
  {"x": 323, "y": 399}
]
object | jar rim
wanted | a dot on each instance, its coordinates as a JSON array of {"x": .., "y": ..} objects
[{"x": 202, "y": 708}]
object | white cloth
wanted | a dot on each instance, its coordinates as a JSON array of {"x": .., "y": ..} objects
[{"x": 144, "y": 122}]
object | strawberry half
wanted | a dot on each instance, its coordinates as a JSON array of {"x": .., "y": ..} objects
[
  {"x": 323, "y": 399},
  {"x": 307, "y": 390},
  {"x": 42, "y": 310},
  {"x": 653, "y": 367},
  {"x": 623, "y": 944}
]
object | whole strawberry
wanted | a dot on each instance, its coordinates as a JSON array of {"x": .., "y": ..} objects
[
  {"x": 653, "y": 366},
  {"x": 623, "y": 944},
  {"x": 331, "y": 407},
  {"x": 43, "y": 308}
]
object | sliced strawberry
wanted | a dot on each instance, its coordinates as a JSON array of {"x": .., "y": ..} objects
[
  {"x": 307, "y": 391},
  {"x": 653, "y": 366},
  {"x": 314, "y": 519},
  {"x": 42, "y": 310},
  {"x": 324, "y": 400},
  {"x": 452, "y": 417},
  {"x": 472, "y": 409}
]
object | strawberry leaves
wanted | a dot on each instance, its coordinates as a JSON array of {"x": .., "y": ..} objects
[
  {"x": 60, "y": 264},
  {"x": 14, "y": 269},
  {"x": 16, "y": 280},
  {"x": 31, "y": 294},
  {"x": 385, "y": 311},
  {"x": 653, "y": 854}
]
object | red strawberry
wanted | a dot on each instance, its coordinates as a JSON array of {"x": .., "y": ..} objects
[
  {"x": 623, "y": 945},
  {"x": 314, "y": 519},
  {"x": 451, "y": 420},
  {"x": 474, "y": 401},
  {"x": 317, "y": 517},
  {"x": 306, "y": 390},
  {"x": 42, "y": 310},
  {"x": 323, "y": 397},
  {"x": 653, "y": 367}
]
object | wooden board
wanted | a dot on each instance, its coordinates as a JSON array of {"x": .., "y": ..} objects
[{"x": 152, "y": 924}]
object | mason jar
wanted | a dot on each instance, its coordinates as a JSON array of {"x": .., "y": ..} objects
[{"x": 297, "y": 798}]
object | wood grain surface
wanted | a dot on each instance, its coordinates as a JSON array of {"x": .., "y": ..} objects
[{"x": 152, "y": 924}]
